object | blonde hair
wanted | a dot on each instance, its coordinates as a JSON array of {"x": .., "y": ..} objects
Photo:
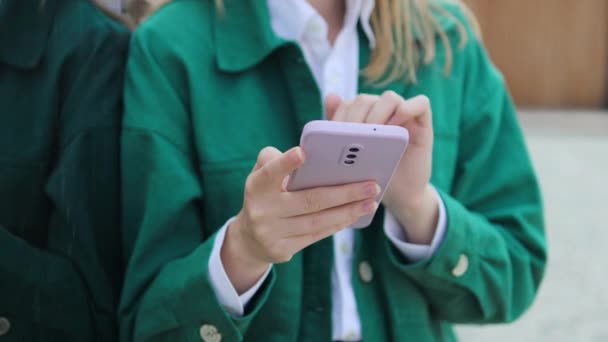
[{"x": 405, "y": 32}]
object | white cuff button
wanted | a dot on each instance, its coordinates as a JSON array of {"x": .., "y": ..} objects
[
  {"x": 209, "y": 333},
  {"x": 365, "y": 272},
  {"x": 5, "y": 326},
  {"x": 461, "y": 266}
]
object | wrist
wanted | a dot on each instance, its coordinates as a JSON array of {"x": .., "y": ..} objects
[
  {"x": 417, "y": 215},
  {"x": 241, "y": 266}
]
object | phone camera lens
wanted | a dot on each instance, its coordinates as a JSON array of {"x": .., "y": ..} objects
[
  {"x": 353, "y": 149},
  {"x": 351, "y": 156},
  {"x": 349, "y": 162}
]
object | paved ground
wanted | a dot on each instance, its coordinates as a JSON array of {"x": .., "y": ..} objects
[{"x": 570, "y": 151}]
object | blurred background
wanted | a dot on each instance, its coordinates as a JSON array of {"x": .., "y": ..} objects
[{"x": 554, "y": 55}]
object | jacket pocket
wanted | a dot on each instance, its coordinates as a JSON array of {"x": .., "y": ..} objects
[
  {"x": 23, "y": 203},
  {"x": 223, "y": 188}
]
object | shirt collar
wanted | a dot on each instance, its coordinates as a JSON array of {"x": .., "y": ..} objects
[
  {"x": 24, "y": 29},
  {"x": 290, "y": 18},
  {"x": 244, "y": 34}
]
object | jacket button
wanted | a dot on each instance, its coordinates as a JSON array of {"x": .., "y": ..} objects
[
  {"x": 209, "y": 333},
  {"x": 461, "y": 266},
  {"x": 5, "y": 326},
  {"x": 365, "y": 271}
]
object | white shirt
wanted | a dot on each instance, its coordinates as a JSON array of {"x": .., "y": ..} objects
[
  {"x": 115, "y": 5},
  {"x": 336, "y": 70}
]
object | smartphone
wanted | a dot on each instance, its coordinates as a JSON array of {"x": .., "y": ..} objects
[{"x": 344, "y": 152}]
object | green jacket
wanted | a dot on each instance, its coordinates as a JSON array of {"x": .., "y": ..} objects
[
  {"x": 205, "y": 93},
  {"x": 61, "y": 75}
]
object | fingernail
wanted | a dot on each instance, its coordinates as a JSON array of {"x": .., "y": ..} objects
[
  {"x": 295, "y": 155},
  {"x": 369, "y": 207},
  {"x": 377, "y": 189},
  {"x": 372, "y": 190}
]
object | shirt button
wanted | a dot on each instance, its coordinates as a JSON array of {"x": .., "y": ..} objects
[
  {"x": 209, "y": 333},
  {"x": 461, "y": 266},
  {"x": 334, "y": 79},
  {"x": 344, "y": 248},
  {"x": 5, "y": 326},
  {"x": 350, "y": 336},
  {"x": 315, "y": 27},
  {"x": 365, "y": 271}
]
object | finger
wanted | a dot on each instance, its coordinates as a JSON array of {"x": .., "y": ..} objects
[
  {"x": 285, "y": 183},
  {"x": 274, "y": 171},
  {"x": 340, "y": 113},
  {"x": 418, "y": 107},
  {"x": 332, "y": 102},
  {"x": 359, "y": 109},
  {"x": 308, "y": 229},
  {"x": 266, "y": 154},
  {"x": 314, "y": 200},
  {"x": 384, "y": 108}
]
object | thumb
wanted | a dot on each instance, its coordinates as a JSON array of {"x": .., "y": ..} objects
[
  {"x": 266, "y": 154},
  {"x": 332, "y": 102}
]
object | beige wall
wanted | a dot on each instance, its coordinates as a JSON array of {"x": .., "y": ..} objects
[{"x": 552, "y": 52}]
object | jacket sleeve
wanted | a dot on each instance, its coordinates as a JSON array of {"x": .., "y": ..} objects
[
  {"x": 69, "y": 290},
  {"x": 167, "y": 295},
  {"x": 492, "y": 259}
]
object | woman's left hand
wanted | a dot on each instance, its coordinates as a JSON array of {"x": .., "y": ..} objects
[{"x": 410, "y": 197}]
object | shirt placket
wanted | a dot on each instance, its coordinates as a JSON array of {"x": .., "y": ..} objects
[
  {"x": 335, "y": 70},
  {"x": 341, "y": 62}
]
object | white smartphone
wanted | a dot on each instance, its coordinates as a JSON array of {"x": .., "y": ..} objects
[{"x": 342, "y": 152}]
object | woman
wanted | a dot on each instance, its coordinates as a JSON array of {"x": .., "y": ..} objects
[
  {"x": 61, "y": 72},
  {"x": 219, "y": 251}
]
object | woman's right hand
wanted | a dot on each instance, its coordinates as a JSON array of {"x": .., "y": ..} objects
[{"x": 275, "y": 224}]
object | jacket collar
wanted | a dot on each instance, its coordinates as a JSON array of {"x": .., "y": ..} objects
[
  {"x": 244, "y": 35},
  {"x": 24, "y": 29}
]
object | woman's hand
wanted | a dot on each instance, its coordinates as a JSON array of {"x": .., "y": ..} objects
[
  {"x": 409, "y": 197},
  {"x": 274, "y": 224}
]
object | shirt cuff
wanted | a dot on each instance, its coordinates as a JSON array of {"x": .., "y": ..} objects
[
  {"x": 415, "y": 252},
  {"x": 223, "y": 288}
]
